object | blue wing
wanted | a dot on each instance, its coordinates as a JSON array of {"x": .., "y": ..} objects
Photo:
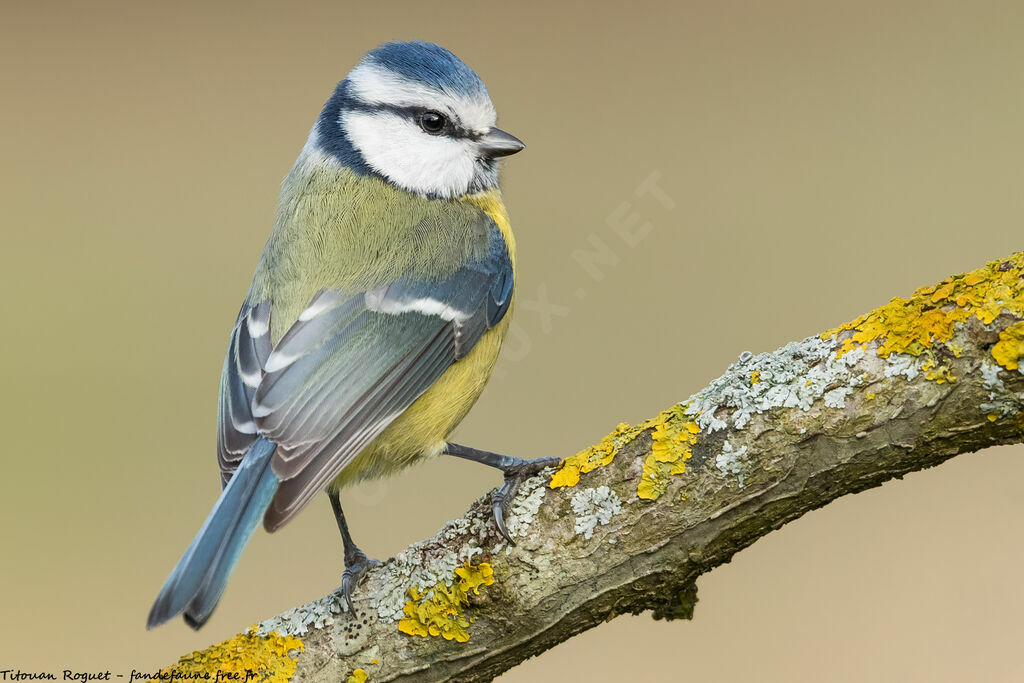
[{"x": 348, "y": 367}]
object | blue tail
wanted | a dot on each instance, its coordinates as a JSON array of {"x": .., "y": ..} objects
[{"x": 198, "y": 580}]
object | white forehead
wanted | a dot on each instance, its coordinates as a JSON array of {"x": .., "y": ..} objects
[{"x": 373, "y": 84}]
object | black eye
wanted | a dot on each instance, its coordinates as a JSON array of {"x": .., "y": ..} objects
[{"x": 433, "y": 122}]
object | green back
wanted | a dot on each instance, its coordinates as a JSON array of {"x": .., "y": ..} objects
[{"x": 339, "y": 230}]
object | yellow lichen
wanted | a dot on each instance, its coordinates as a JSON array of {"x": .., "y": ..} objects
[
  {"x": 471, "y": 578},
  {"x": 1010, "y": 348},
  {"x": 671, "y": 442},
  {"x": 940, "y": 374},
  {"x": 671, "y": 439},
  {"x": 755, "y": 377},
  {"x": 443, "y": 613},
  {"x": 595, "y": 456},
  {"x": 248, "y": 657},
  {"x": 928, "y": 317},
  {"x": 358, "y": 676}
]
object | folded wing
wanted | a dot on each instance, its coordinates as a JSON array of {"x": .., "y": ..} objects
[{"x": 348, "y": 367}]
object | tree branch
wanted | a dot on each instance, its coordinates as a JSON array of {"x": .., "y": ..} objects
[{"x": 629, "y": 524}]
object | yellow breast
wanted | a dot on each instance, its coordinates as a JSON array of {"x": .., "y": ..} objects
[{"x": 422, "y": 429}]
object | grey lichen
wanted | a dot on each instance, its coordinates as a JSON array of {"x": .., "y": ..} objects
[
  {"x": 836, "y": 398},
  {"x": 793, "y": 376},
  {"x": 594, "y": 507},
  {"x": 298, "y": 620},
  {"x": 990, "y": 375},
  {"x": 732, "y": 461},
  {"x": 526, "y": 504},
  {"x": 903, "y": 364},
  {"x": 1002, "y": 402}
]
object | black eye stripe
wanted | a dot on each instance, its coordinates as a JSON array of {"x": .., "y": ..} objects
[{"x": 452, "y": 130}]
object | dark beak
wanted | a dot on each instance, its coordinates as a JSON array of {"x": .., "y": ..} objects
[{"x": 498, "y": 143}]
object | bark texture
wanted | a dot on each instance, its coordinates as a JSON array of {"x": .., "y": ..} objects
[{"x": 631, "y": 524}]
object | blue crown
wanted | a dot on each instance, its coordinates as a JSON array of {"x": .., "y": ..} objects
[{"x": 427, "y": 63}]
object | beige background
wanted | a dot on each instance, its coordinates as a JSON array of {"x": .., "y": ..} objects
[{"x": 821, "y": 158}]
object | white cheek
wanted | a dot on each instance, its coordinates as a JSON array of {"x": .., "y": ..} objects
[{"x": 399, "y": 150}]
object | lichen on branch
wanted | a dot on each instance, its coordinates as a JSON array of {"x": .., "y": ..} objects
[{"x": 628, "y": 524}]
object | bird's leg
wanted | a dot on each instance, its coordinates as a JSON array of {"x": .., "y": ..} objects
[
  {"x": 516, "y": 471},
  {"x": 356, "y": 561}
]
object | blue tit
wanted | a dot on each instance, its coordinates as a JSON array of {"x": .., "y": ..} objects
[{"x": 374, "y": 317}]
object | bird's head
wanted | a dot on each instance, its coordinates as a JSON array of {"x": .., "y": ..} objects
[{"x": 415, "y": 115}]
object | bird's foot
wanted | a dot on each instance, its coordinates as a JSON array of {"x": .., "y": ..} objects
[
  {"x": 356, "y": 566},
  {"x": 516, "y": 472}
]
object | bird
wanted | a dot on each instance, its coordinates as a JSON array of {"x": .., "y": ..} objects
[{"x": 375, "y": 314}]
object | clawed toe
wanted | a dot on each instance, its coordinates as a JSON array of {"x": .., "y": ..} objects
[
  {"x": 515, "y": 474},
  {"x": 528, "y": 468},
  {"x": 516, "y": 471},
  {"x": 353, "y": 574}
]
